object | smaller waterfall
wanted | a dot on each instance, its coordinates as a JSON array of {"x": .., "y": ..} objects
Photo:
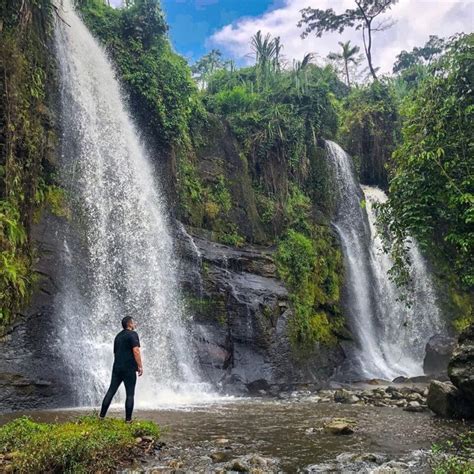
[{"x": 390, "y": 336}]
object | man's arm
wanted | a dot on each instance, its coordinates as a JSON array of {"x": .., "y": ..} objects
[{"x": 138, "y": 360}]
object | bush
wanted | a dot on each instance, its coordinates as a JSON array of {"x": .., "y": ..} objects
[
  {"x": 85, "y": 445},
  {"x": 311, "y": 266}
]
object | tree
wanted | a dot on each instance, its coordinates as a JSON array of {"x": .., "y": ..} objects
[
  {"x": 348, "y": 55},
  {"x": 431, "y": 195},
  {"x": 267, "y": 55},
  {"x": 207, "y": 65},
  {"x": 420, "y": 56},
  {"x": 362, "y": 17}
]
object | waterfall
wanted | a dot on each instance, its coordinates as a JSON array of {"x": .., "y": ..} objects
[
  {"x": 390, "y": 336},
  {"x": 119, "y": 253}
]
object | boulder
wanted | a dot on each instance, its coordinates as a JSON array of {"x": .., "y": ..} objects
[
  {"x": 340, "y": 426},
  {"x": 461, "y": 366},
  {"x": 446, "y": 400},
  {"x": 345, "y": 396},
  {"x": 439, "y": 350}
]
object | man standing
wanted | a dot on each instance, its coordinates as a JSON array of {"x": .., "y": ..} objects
[{"x": 127, "y": 362}]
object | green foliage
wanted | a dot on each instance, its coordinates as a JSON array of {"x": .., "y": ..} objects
[
  {"x": 206, "y": 204},
  {"x": 369, "y": 130},
  {"x": 85, "y": 445},
  {"x": 158, "y": 80},
  {"x": 431, "y": 190},
  {"x": 25, "y": 143},
  {"x": 347, "y": 56},
  {"x": 424, "y": 55},
  {"x": 311, "y": 266},
  {"x": 361, "y": 17},
  {"x": 454, "y": 456}
]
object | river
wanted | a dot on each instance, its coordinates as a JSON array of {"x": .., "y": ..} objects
[{"x": 287, "y": 435}]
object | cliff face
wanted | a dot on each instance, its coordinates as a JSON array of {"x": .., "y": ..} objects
[
  {"x": 241, "y": 319},
  {"x": 236, "y": 208}
]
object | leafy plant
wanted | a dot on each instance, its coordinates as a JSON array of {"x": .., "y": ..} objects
[{"x": 85, "y": 445}]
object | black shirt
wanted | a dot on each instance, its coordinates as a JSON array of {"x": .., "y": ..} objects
[{"x": 124, "y": 343}]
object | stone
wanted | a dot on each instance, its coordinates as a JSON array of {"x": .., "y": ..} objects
[
  {"x": 446, "y": 400},
  {"x": 414, "y": 397},
  {"x": 345, "y": 396},
  {"x": 400, "y": 379},
  {"x": 138, "y": 440},
  {"x": 461, "y": 366},
  {"x": 222, "y": 441},
  {"x": 238, "y": 466},
  {"x": 438, "y": 352},
  {"x": 219, "y": 457},
  {"x": 339, "y": 427}
]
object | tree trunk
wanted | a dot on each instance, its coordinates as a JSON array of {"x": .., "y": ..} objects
[
  {"x": 368, "y": 48},
  {"x": 347, "y": 73}
]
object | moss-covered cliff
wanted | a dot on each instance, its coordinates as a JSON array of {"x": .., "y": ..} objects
[{"x": 27, "y": 144}]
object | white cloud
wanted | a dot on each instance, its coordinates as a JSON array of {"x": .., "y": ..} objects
[{"x": 415, "y": 21}]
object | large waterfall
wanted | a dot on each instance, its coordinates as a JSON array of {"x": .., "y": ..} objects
[
  {"x": 120, "y": 259},
  {"x": 390, "y": 335}
]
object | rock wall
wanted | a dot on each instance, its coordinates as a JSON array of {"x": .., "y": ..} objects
[
  {"x": 241, "y": 313},
  {"x": 30, "y": 367}
]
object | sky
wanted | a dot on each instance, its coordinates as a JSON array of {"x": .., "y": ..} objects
[{"x": 197, "y": 26}]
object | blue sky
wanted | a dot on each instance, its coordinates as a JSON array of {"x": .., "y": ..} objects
[
  {"x": 193, "y": 22},
  {"x": 197, "y": 26}
]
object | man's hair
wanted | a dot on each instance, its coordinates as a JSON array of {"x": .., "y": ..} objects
[{"x": 125, "y": 321}]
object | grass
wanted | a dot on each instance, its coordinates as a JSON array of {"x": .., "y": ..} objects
[
  {"x": 454, "y": 456},
  {"x": 81, "y": 446}
]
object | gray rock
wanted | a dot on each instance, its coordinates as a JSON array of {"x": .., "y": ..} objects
[
  {"x": 461, "y": 366},
  {"x": 344, "y": 396},
  {"x": 445, "y": 400},
  {"x": 439, "y": 350}
]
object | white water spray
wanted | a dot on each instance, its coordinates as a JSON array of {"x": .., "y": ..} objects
[
  {"x": 390, "y": 336},
  {"x": 121, "y": 260}
]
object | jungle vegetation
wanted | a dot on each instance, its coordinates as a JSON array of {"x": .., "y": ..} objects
[{"x": 408, "y": 132}]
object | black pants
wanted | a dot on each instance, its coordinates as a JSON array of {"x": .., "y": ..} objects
[{"x": 129, "y": 378}]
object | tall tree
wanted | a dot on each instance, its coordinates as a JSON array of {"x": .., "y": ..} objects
[
  {"x": 347, "y": 55},
  {"x": 207, "y": 65},
  {"x": 424, "y": 55},
  {"x": 266, "y": 51},
  {"x": 361, "y": 17}
]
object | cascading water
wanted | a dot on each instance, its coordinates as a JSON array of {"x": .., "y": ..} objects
[
  {"x": 390, "y": 336},
  {"x": 120, "y": 251}
]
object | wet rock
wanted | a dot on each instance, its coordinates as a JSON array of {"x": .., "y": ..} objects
[
  {"x": 257, "y": 386},
  {"x": 222, "y": 441},
  {"x": 220, "y": 457},
  {"x": 33, "y": 374},
  {"x": 345, "y": 396},
  {"x": 438, "y": 352},
  {"x": 340, "y": 426},
  {"x": 241, "y": 318},
  {"x": 400, "y": 379},
  {"x": 461, "y": 366},
  {"x": 252, "y": 463},
  {"x": 415, "y": 397},
  {"x": 446, "y": 400}
]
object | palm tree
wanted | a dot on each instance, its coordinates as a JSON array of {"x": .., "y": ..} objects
[
  {"x": 299, "y": 69},
  {"x": 348, "y": 55},
  {"x": 265, "y": 50}
]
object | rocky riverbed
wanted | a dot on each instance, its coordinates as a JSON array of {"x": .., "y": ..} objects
[{"x": 301, "y": 431}]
